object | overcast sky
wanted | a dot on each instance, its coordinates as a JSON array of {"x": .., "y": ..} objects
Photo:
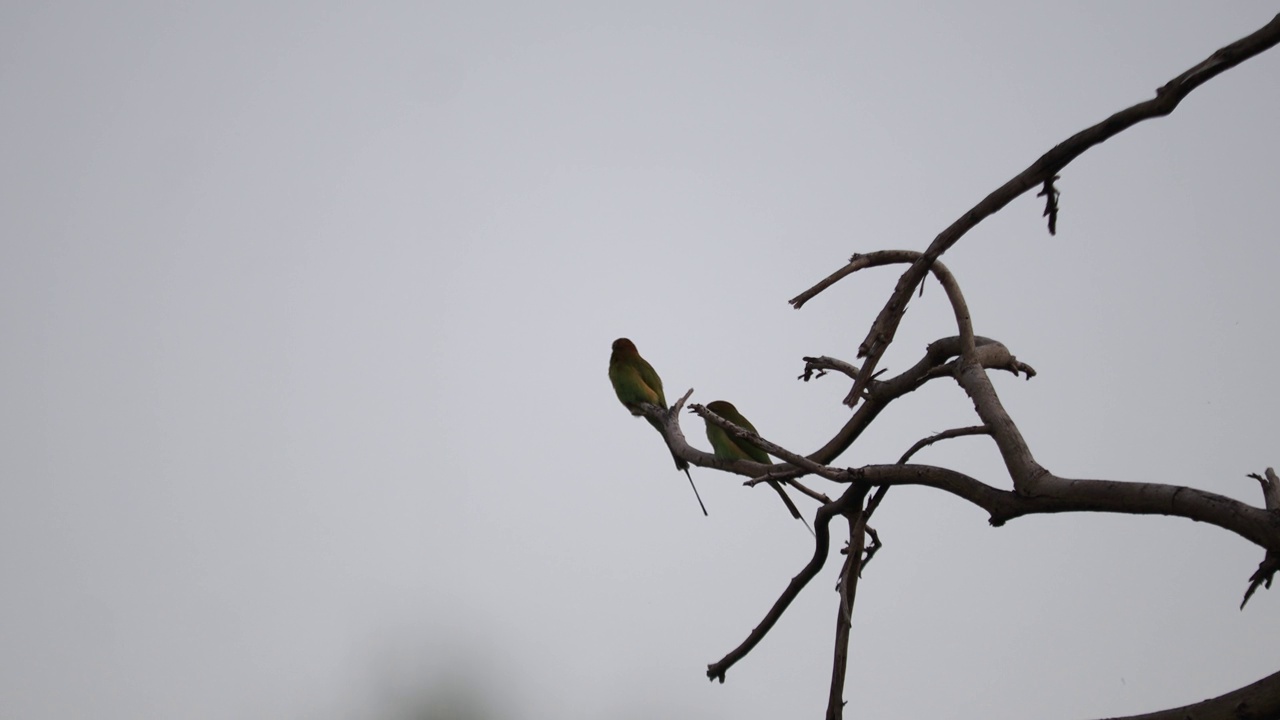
[{"x": 306, "y": 310}]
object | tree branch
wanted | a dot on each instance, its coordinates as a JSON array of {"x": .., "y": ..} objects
[
  {"x": 1057, "y": 495},
  {"x": 944, "y": 435},
  {"x": 848, "y": 588},
  {"x": 1043, "y": 169},
  {"x": 820, "y": 366},
  {"x": 1271, "y": 561},
  {"x": 822, "y": 541}
]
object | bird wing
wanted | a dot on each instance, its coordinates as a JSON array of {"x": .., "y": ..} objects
[{"x": 650, "y": 377}]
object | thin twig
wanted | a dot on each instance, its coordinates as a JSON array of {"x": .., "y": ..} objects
[{"x": 944, "y": 435}]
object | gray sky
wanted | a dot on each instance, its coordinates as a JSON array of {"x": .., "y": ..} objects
[{"x": 307, "y": 308}]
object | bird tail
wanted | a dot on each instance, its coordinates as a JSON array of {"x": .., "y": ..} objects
[
  {"x": 681, "y": 464},
  {"x": 791, "y": 506},
  {"x": 695, "y": 487}
]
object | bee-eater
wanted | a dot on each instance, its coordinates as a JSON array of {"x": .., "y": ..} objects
[{"x": 635, "y": 382}]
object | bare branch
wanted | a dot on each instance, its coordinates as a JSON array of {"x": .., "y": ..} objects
[
  {"x": 1271, "y": 561},
  {"x": 669, "y": 419},
  {"x": 883, "y": 490},
  {"x": 1270, "y": 488},
  {"x": 820, "y": 497},
  {"x": 921, "y": 444},
  {"x": 933, "y": 365},
  {"x": 1022, "y": 465},
  {"x": 822, "y": 364},
  {"x": 964, "y": 323},
  {"x": 822, "y": 541},
  {"x": 944, "y": 435},
  {"x": 1061, "y": 495},
  {"x": 1056, "y": 495},
  {"x": 875, "y": 502},
  {"x": 848, "y": 589},
  {"x": 895, "y": 257},
  {"x": 856, "y": 263},
  {"x": 1167, "y": 98}
]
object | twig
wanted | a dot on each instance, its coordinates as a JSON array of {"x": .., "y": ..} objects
[
  {"x": 944, "y": 435},
  {"x": 820, "y": 497},
  {"x": 1050, "y": 195}
]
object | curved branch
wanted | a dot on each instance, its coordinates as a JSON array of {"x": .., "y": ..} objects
[
  {"x": 944, "y": 435},
  {"x": 1043, "y": 169},
  {"x": 1056, "y": 495},
  {"x": 821, "y": 365}
]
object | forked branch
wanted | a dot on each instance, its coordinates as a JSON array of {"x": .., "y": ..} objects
[{"x": 1045, "y": 168}]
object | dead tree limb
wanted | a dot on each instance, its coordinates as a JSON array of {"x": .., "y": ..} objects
[{"x": 1167, "y": 98}]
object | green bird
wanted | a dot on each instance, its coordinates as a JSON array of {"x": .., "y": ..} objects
[
  {"x": 635, "y": 382},
  {"x": 728, "y": 447}
]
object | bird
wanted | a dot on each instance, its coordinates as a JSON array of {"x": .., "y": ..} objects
[
  {"x": 635, "y": 382},
  {"x": 728, "y": 447}
]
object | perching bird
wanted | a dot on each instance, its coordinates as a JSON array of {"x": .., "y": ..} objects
[
  {"x": 635, "y": 382},
  {"x": 728, "y": 447}
]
